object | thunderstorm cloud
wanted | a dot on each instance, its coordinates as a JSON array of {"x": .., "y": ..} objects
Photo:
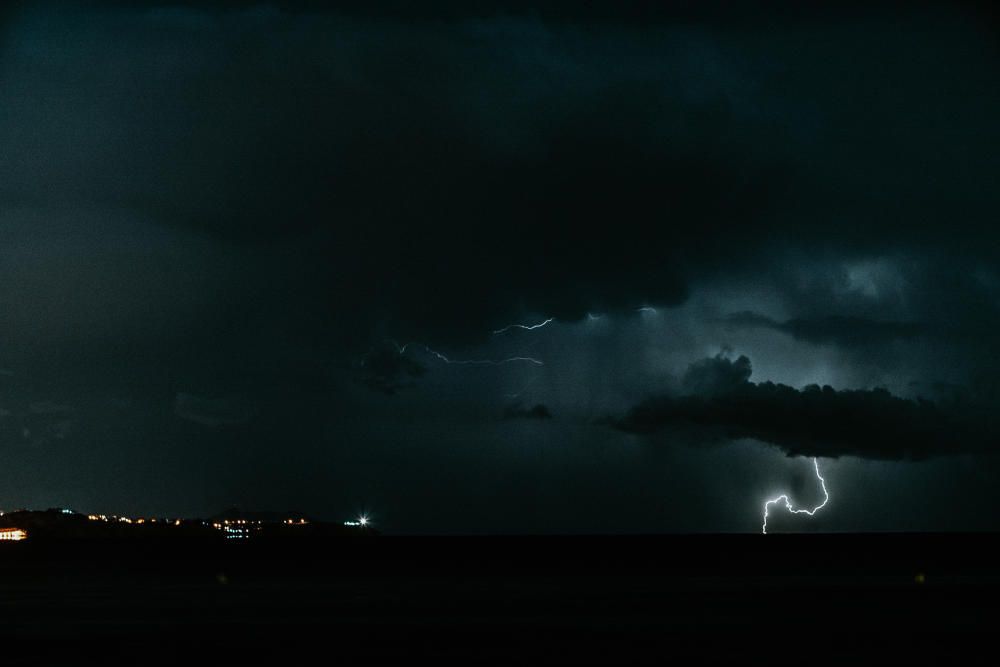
[
  {"x": 266, "y": 228},
  {"x": 812, "y": 421}
]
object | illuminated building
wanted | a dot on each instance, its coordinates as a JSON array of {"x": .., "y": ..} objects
[
  {"x": 237, "y": 529},
  {"x": 13, "y": 534},
  {"x": 236, "y": 532}
]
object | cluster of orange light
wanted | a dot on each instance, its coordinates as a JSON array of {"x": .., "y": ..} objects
[
  {"x": 13, "y": 534},
  {"x": 233, "y": 522},
  {"x": 105, "y": 517},
  {"x": 125, "y": 519},
  {"x": 217, "y": 525}
]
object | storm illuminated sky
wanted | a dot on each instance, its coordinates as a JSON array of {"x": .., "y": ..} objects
[{"x": 220, "y": 224}]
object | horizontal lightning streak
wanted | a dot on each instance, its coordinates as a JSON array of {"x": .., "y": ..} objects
[
  {"x": 471, "y": 362},
  {"x": 788, "y": 503},
  {"x": 526, "y": 327}
]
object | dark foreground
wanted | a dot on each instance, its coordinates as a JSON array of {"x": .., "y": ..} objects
[{"x": 772, "y": 599}]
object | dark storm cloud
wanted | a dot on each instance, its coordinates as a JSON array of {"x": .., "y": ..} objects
[
  {"x": 438, "y": 177},
  {"x": 518, "y": 411},
  {"x": 813, "y": 421},
  {"x": 392, "y": 159},
  {"x": 717, "y": 375},
  {"x": 845, "y": 331},
  {"x": 387, "y": 369},
  {"x": 222, "y": 200}
]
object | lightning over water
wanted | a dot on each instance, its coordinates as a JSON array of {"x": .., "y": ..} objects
[{"x": 788, "y": 503}]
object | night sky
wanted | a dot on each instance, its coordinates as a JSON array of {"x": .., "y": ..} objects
[{"x": 243, "y": 246}]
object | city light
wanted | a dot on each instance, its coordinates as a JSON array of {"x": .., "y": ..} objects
[{"x": 361, "y": 522}]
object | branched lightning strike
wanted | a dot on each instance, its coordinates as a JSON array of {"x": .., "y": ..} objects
[
  {"x": 788, "y": 503},
  {"x": 525, "y": 327}
]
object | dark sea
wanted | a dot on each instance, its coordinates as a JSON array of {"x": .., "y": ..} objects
[{"x": 725, "y": 599}]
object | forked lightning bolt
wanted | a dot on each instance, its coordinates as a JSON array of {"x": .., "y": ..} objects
[{"x": 788, "y": 503}]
